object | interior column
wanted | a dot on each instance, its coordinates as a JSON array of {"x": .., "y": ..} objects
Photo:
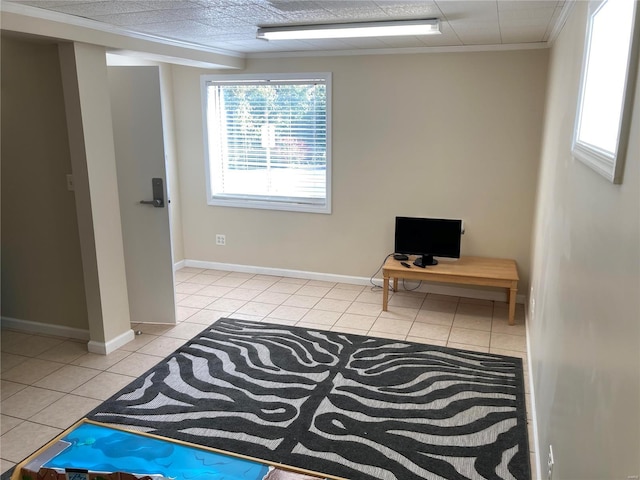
[{"x": 88, "y": 111}]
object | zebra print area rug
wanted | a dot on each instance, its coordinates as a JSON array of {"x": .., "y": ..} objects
[{"x": 351, "y": 406}]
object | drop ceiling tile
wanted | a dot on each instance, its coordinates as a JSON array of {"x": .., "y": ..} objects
[
  {"x": 324, "y": 44},
  {"x": 531, "y": 14},
  {"x": 284, "y": 46},
  {"x": 277, "y": 17},
  {"x": 259, "y": 48},
  {"x": 168, "y": 4},
  {"x": 463, "y": 28},
  {"x": 177, "y": 28},
  {"x": 315, "y": 16},
  {"x": 506, "y": 5},
  {"x": 225, "y": 22},
  {"x": 411, "y": 9},
  {"x": 481, "y": 38},
  {"x": 466, "y": 28},
  {"x": 245, "y": 45},
  {"x": 262, "y": 16},
  {"x": 225, "y": 3},
  {"x": 363, "y": 5},
  {"x": 46, "y": 4},
  {"x": 209, "y": 42},
  {"x": 476, "y": 10},
  {"x": 354, "y": 11},
  {"x": 237, "y": 33},
  {"x": 295, "y": 7},
  {"x": 213, "y": 14},
  {"x": 524, "y": 23},
  {"x": 91, "y": 9},
  {"x": 521, "y": 38},
  {"x": 487, "y": 23},
  {"x": 523, "y": 34},
  {"x": 221, "y": 36},
  {"x": 440, "y": 40},
  {"x": 239, "y": 11},
  {"x": 529, "y": 29},
  {"x": 367, "y": 43},
  {"x": 154, "y": 16},
  {"x": 402, "y": 42}
]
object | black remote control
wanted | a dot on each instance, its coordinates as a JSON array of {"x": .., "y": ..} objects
[{"x": 405, "y": 264}]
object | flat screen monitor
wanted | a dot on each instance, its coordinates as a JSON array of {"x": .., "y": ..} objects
[{"x": 428, "y": 238}]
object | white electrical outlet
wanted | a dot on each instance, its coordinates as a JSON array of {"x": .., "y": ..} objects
[
  {"x": 221, "y": 239},
  {"x": 550, "y": 463}
]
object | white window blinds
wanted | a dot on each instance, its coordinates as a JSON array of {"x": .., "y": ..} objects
[{"x": 267, "y": 142}]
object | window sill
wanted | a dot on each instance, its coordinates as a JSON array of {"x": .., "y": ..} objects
[
  {"x": 324, "y": 208},
  {"x": 602, "y": 162}
]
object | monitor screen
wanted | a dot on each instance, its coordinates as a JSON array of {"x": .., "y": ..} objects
[{"x": 428, "y": 237}]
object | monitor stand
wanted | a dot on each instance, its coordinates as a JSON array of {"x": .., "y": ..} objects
[{"x": 425, "y": 261}]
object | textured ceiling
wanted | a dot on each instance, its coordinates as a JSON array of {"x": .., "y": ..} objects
[{"x": 231, "y": 24}]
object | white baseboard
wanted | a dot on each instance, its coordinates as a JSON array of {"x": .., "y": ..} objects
[
  {"x": 499, "y": 295},
  {"x": 281, "y": 272},
  {"x": 44, "y": 328},
  {"x": 534, "y": 418},
  {"x": 105, "y": 348},
  {"x": 178, "y": 265},
  {"x": 102, "y": 348}
]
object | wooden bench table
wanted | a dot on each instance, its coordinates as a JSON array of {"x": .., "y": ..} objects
[{"x": 482, "y": 271}]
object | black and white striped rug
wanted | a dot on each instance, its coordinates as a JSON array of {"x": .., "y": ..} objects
[{"x": 356, "y": 407}]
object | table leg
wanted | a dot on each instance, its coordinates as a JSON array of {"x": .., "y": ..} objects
[
  {"x": 512, "y": 305},
  {"x": 385, "y": 293},
  {"x": 395, "y": 284}
]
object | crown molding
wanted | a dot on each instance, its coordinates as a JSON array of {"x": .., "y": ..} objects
[
  {"x": 402, "y": 51},
  {"x": 567, "y": 8}
]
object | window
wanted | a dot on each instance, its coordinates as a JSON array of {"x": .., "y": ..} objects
[
  {"x": 267, "y": 141},
  {"x": 606, "y": 89}
]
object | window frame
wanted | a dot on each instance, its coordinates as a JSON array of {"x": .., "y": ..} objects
[
  {"x": 261, "y": 201},
  {"x": 608, "y": 164}
]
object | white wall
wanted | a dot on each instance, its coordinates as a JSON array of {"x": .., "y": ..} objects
[
  {"x": 584, "y": 320},
  {"x": 452, "y": 135}
]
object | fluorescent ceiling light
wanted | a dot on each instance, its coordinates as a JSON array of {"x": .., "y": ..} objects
[{"x": 351, "y": 30}]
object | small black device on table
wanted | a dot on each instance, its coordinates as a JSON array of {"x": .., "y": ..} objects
[{"x": 427, "y": 237}]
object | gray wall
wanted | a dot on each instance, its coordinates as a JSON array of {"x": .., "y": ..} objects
[
  {"x": 42, "y": 277},
  {"x": 584, "y": 309}
]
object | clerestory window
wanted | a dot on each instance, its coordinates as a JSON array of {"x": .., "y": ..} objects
[{"x": 606, "y": 89}]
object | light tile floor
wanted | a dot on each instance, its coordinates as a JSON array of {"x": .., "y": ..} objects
[{"x": 48, "y": 383}]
